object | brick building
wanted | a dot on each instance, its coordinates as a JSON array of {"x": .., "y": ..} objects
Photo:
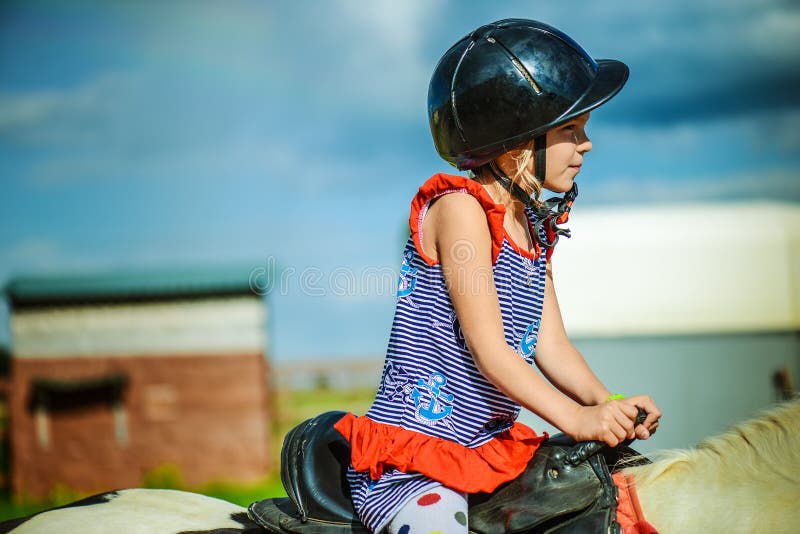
[{"x": 114, "y": 375}]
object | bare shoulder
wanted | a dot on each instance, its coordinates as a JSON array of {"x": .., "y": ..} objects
[
  {"x": 458, "y": 208},
  {"x": 451, "y": 217}
]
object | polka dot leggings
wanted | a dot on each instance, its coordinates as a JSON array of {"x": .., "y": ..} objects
[{"x": 435, "y": 511}]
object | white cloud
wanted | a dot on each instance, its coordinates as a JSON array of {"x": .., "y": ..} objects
[
  {"x": 231, "y": 40},
  {"x": 376, "y": 59},
  {"x": 30, "y": 253},
  {"x": 37, "y": 250},
  {"x": 774, "y": 34},
  {"x": 61, "y": 115},
  {"x": 389, "y": 25},
  {"x": 213, "y": 91},
  {"x": 340, "y": 57}
]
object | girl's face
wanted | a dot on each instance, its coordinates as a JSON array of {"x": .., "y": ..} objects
[{"x": 566, "y": 146}]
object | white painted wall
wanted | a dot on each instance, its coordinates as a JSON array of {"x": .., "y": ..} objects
[
  {"x": 680, "y": 269},
  {"x": 196, "y": 326}
]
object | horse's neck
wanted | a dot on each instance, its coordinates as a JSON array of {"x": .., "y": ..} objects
[
  {"x": 687, "y": 501},
  {"x": 747, "y": 480}
]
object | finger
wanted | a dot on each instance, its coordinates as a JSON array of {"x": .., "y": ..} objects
[
  {"x": 642, "y": 432},
  {"x": 653, "y": 428},
  {"x": 629, "y": 409},
  {"x": 621, "y": 417},
  {"x": 647, "y": 404},
  {"x": 652, "y": 418},
  {"x": 611, "y": 439},
  {"x": 621, "y": 432},
  {"x": 628, "y": 427}
]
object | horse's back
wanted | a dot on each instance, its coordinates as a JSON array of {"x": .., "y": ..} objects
[{"x": 138, "y": 511}]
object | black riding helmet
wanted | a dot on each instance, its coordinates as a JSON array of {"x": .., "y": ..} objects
[{"x": 509, "y": 82}]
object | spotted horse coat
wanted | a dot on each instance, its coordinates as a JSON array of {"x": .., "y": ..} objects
[{"x": 138, "y": 511}]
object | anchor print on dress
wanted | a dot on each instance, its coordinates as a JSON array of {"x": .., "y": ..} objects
[
  {"x": 396, "y": 382},
  {"x": 435, "y": 410},
  {"x": 527, "y": 344},
  {"x": 529, "y": 268},
  {"x": 408, "y": 276}
]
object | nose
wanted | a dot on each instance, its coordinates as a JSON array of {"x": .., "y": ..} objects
[{"x": 584, "y": 144}]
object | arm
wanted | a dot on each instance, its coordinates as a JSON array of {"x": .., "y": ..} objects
[
  {"x": 557, "y": 357},
  {"x": 455, "y": 226},
  {"x": 564, "y": 366}
]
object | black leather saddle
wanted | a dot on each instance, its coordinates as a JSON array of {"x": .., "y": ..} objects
[
  {"x": 566, "y": 488},
  {"x": 314, "y": 460}
]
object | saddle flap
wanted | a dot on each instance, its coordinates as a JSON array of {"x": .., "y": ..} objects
[
  {"x": 550, "y": 487},
  {"x": 314, "y": 461}
]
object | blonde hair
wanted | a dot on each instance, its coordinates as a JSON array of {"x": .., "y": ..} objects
[
  {"x": 521, "y": 156},
  {"x": 523, "y": 176}
]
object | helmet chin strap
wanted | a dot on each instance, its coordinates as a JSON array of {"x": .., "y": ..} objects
[
  {"x": 555, "y": 211},
  {"x": 540, "y": 157},
  {"x": 551, "y": 212},
  {"x": 513, "y": 188}
]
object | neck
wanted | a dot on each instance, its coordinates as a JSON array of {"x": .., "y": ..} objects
[{"x": 499, "y": 194}]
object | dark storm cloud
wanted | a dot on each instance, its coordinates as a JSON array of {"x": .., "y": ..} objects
[
  {"x": 770, "y": 92},
  {"x": 695, "y": 61},
  {"x": 690, "y": 60}
]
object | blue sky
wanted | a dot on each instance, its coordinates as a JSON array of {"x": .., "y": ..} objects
[{"x": 149, "y": 134}]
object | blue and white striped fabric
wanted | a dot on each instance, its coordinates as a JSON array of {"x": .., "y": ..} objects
[{"x": 430, "y": 383}]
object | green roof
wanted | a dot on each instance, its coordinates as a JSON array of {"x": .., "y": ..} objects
[{"x": 127, "y": 285}]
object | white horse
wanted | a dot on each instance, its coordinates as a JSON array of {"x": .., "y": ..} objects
[
  {"x": 139, "y": 511},
  {"x": 746, "y": 480}
]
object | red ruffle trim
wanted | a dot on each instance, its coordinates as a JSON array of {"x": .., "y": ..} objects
[
  {"x": 441, "y": 184},
  {"x": 550, "y": 235},
  {"x": 378, "y": 447}
]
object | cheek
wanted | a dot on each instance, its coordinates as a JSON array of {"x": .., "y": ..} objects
[{"x": 559, "y": 157}]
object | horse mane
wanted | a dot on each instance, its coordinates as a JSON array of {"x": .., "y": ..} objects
[{"x": 766, "y": 448}]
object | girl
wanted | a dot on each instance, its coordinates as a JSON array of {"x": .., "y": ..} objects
[{"x": 476, "y": 304}]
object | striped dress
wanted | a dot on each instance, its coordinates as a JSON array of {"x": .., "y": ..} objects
[{"x": 434, "y": 412}]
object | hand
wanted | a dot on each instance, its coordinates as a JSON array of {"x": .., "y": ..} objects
[
  {"x": 610, "y": 422},
  {"x": 650, "y": 424}
]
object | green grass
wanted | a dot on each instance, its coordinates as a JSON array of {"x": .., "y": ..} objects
[
  {"x": 289, "y": 409},
  {"x": 10, "y": 508}
]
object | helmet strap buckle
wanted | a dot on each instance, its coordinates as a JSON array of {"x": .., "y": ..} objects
[{"x": 549, "y": 214}]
